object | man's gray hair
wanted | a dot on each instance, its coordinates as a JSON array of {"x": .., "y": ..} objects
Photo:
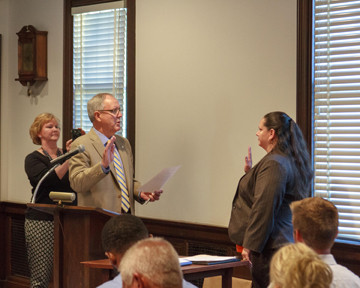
[
  {"x": 156, "y": 260},
  {"x": 96, "y": 103}
]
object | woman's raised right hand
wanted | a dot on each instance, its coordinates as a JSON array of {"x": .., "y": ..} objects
[{"x": 248, "y": 161}]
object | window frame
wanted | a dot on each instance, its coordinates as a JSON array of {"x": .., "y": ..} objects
[
  {"x": 68, "y": 67},
  {"x": 304, "y": 101},
  {"x": 304, "y": 107}
]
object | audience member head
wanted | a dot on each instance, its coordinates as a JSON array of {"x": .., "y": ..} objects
[
  {"x": 119, "y": 233},
  {"x": 38, "y": 124},
  {"x": 290, "y": 141},
  {"x": 151, "y": 263},
  {"x": 315, "y": 222},
  {"x": 298, "y": 266},
  {"x": 105, "y": 114}
]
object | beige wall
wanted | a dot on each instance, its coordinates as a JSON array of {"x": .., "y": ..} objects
[
  {"x": 205, "y": 75},
  {"x": 17, "y": 109}
]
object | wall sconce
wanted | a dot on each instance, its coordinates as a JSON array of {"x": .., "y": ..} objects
[{"x": 32, "y": 56}]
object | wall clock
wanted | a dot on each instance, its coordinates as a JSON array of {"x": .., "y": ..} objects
[{"x": 32, "y": 56}]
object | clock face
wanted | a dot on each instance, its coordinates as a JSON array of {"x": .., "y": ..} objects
[{"x": 27, "y": 57}]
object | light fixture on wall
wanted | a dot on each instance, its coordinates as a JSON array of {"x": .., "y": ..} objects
[{"x": 32, "y": 56}]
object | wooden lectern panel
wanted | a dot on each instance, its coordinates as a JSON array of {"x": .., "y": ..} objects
[{"x": 77, "y": 238}]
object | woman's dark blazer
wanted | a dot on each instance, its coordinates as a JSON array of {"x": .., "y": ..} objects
[{"x": 261, "y": 216}]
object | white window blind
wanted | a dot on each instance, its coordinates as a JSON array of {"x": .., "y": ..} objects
[
  {"x": 337, "y": 110},
  {"x": 99, "y": 61}
]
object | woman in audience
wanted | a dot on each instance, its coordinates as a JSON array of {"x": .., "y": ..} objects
[
  {"x": 39, "y": 226},
  {"x": 298, "y": 266},
  {"x": 261, "y": 217}
]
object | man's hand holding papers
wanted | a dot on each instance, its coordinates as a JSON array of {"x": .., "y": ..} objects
[{"x": 155, "y": 184}]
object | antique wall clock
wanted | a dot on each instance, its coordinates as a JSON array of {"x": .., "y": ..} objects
[{"x": 32, "y": 56}]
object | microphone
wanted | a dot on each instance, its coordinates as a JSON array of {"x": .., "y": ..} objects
[{"x": 61, "y": 159}]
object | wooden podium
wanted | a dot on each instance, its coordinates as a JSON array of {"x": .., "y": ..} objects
[{"x": 77, "y": 238}]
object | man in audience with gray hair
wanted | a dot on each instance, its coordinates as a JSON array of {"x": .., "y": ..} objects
[
  {"x": 151, "y": 263},
  {"x": 118, "y": 235}
]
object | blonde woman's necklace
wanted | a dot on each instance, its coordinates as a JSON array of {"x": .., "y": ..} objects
[{"x": 58, "y": 153}]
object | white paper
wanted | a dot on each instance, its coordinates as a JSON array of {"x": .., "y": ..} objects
[
  {"x": 209, "y": 258},
  {"x": 159, "y": 180}
]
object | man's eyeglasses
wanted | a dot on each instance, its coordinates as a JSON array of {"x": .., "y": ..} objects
[{"x": 114, "y": 111}]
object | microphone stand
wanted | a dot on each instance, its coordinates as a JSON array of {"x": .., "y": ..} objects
[{"x": 41, "y": 180}]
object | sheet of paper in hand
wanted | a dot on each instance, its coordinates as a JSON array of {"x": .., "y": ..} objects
[{"x": 158, "y": 181}]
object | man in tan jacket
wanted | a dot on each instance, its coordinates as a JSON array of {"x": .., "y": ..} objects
[{"x": 93, "y": 174}]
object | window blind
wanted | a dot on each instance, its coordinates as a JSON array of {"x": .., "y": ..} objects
[
  {"x": 337, "y": 110},
  {"x": 99, "y": 61}
]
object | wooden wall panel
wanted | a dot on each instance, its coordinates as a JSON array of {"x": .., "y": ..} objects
[{"x": 187, "y": 238}]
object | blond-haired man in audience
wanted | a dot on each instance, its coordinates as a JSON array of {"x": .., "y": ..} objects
[
  {"x": 315, "y": 222},
  {"x": 298, "y": 266}
]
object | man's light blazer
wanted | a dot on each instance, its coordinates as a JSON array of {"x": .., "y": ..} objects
[{"x": 94, "y": 187}]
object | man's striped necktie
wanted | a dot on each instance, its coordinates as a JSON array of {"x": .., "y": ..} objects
[{"x": 120, "y": 175}]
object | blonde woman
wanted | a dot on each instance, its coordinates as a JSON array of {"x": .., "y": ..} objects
[
  {"x": 298, "y": 266},
  {"x": 39, "y": 226}
]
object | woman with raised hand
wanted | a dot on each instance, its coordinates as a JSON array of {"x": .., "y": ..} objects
[{"x": 261, "y": 217}]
